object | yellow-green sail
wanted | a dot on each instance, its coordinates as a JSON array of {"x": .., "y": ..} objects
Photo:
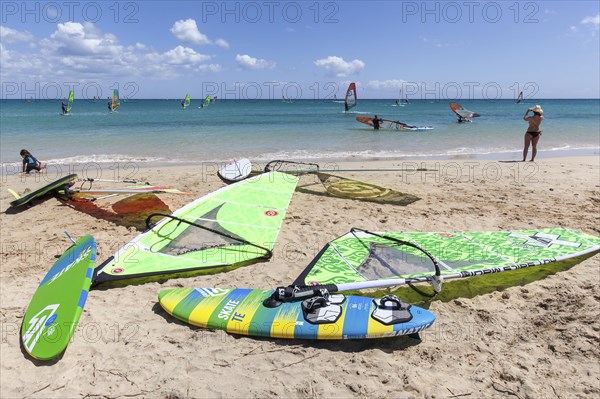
[
  {"x": 235, "y": 225},
  {"x": 115, "y": 99},
  {"x": 70, "y": 101},
  {"x": 406, "y": 257}
]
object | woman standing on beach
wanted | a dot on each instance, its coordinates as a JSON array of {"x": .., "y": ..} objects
[{"x": 532, "y": 136}]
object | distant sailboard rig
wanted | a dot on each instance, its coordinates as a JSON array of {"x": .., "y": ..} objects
[
  {"x": 70, "y": 101},
  {"x": 519, "y": 98},
  {"x": 464, "y": 115},
  {"x": 185, "y": 103},
  {"x": 69, "y": 106},
  {"x": 390, "y": 124},
  {"x": 206, "y": 102},
  {"x": 399, "y": 258},
  {"x": 115, "y": 102},
  {"x": 230, "y": 227},
  {"x": 350, "y": 99},
  {"x": 401, "y": 102}
]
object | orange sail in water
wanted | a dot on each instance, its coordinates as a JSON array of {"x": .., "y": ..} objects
[{"x": 351, "y": 99}]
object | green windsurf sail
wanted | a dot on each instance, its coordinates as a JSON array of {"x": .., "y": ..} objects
[
  {"x": 405, "y": 258},
  {"x": 235, "y": 225},
  {"x": 206, "y": 102},
  {"x": 186, "y": 101},
  {"x": 70, "y": 101}
]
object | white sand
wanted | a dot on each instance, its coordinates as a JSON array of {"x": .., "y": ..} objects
[{"x": 536, "y": 340}]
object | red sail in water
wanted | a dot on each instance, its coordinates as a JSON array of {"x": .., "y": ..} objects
[{"x": 351, "y": 99}]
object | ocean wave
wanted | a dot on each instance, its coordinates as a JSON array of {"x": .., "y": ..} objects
[
  {"x": 369, "y": 154},
  {"x": 104, "y": 158},
  {"x": 312, "y": 155}
]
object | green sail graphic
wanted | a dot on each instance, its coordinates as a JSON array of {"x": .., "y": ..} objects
[
  {"x": 363, "y": 256},
  {"x": 235, "y": 225}
]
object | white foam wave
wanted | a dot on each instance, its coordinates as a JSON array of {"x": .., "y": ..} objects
[{"x": 104, "y": 158}]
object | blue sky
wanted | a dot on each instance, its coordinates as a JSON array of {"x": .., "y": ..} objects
[{"x": 263, "y": 49}]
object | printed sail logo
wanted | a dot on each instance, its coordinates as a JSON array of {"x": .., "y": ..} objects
[{"x": 544, "y": 240}]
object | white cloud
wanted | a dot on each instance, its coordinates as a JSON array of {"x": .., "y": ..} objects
[
  {"x": 248, "y": 62},
  {"x": 75, "y": 39},
  {"x": 82, "y": 51},
  {"x": 211, "y": 68},
  {"x": 591, "y": 20},
  {"x": 187, "y": 31},
  {"x": 8, "y": 35},
  {"x": 385, "y": 84},
  {"x": 183, "y": 55},
  {"x": 339, "y": 67},
  {"x": 222, "y": 43}
]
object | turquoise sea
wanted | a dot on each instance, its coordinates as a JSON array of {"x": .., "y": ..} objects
[{"x": 263, "y": 130}]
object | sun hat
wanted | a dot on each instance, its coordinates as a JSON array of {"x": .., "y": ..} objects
[{"x": 537, "y": 109}]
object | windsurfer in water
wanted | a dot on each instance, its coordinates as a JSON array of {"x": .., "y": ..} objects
[
  {"x": 345, "y": 106},
  {"x": 63, "y": 107},
  {"x": 532, "y": 136},
  {"x": 110, "y": 104},
  {"x": 376, "y": 122}
]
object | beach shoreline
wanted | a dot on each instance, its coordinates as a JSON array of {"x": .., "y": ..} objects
[
  {"x": 531, "y": 339},
  {"x": 125, "y": 168}
]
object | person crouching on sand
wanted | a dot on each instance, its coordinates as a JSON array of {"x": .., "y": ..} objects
[
  {"x": 30, "y": 163},
  {"x": 532, "y": 136}
]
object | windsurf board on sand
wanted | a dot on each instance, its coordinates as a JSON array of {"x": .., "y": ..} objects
[
  {"x": 337, "y": 316},
  {"x": 55, "y": 185},
  {"x": 56, "y": 305},
  {"x": 235, "y": 171}
]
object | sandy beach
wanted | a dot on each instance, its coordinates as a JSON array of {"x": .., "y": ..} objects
[{"x": 536, "y": 340}]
